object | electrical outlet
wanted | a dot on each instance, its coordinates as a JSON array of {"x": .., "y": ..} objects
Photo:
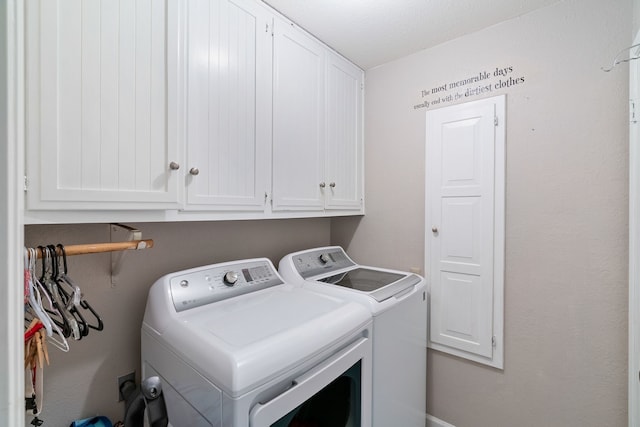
[{"x": 122, "y": 379}]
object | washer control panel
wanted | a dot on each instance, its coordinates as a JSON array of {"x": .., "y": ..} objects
[
  {"x": 205, "y": 285},
  {"x": 321, "y": 261}
]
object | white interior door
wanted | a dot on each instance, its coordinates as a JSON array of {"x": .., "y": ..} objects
[{"x": 464, "y": 206}]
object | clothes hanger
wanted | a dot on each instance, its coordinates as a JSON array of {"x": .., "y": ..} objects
[
  {"x": 54, "y": 309},
  {"x": 71, "y": 296},
  {"x": 62, "y": 277},
  {"x": 67, "y": 322},
  {"x": 33, "y": 297},
  {"x": 36, "y": 290},
  {"x": 83, "y": 302},
  {"x": 100, "y": 326}
]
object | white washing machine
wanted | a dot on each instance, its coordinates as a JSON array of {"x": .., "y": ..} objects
[
  {"x": 236, "y": 346},
  {"x": 398, "y": 303}
]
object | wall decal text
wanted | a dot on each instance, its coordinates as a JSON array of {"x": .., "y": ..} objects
[{"x": 481, "y": 83}]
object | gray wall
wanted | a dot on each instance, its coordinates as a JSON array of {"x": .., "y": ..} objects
[
  {"x": 567, "y": 212},
  {"x": 83, "y": 383}
]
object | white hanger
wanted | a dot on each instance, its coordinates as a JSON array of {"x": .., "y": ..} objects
[
  {"x": 34, "y": 296},
  {"x": 36, "y": 289}
]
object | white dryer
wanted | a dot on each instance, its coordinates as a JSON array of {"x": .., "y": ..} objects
[
  {"x": 236, "y": 346},
  {"x": 398, "y": 303}
]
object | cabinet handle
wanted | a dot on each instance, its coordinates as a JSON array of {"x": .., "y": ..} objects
[
  {"x": 434, "y": 229},
  {"x": 194, "y": 171},
  {"x": 332, "y": 185},
  {"x": 322, "y": 185},
  {"x": 174, "y": 166}
]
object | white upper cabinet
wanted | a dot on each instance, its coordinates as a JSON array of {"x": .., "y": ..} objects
[
  {"x": 170, "y": 110},
  {"x": 101, "y": 104},
  {"x": 228, "y": 126},
  {"x": 298, "y": 120},
  {"x": 317, "y": 126},
  {"x": 344, "y": 145}
]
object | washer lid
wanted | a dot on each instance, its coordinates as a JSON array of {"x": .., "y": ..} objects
[
  {"x": 379, "y": 284},
  {"x": 243, "y": 342},
  {"x": 363, "y": 279}
]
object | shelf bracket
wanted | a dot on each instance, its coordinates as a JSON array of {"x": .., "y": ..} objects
[{"x": 120, "y": 233}]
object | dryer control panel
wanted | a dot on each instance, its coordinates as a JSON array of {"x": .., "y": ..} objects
[
  {"x": 321, "y": 261},
  {"x": 208, "y": 284}
]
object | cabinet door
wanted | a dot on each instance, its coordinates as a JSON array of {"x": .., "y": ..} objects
[
  {"x": 298, "y": 120},
  {"x": 344, "y": 159},
  {"x": 465, "y": 228},
  {"x": 100, "y": 104},
  {"x": 228, "y": 104}
]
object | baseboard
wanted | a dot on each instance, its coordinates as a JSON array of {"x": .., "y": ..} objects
[{"x": 436, "y": 422}]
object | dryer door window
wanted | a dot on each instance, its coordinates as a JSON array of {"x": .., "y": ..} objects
[
  {"x": 336, "y": 405},
  {"x": 335, "y": 393}
]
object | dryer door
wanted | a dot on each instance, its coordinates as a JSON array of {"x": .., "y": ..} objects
[{"x": 335, "y": 392}]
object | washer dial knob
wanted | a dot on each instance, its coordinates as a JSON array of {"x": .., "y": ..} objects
[
  {"x": 324, "y": 258},
  {"x": 230, "y": 278}
]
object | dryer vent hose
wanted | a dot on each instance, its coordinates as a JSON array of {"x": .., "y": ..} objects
[{"x": 148, "y": 396}]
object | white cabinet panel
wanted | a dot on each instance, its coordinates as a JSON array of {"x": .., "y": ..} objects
[
  {"x": 186, "y": 110},
  {"x": 344, "y": 151},
  {"x": 298, "y": 120},
  {"x": 465, "y": 228},
  {"x": 461, "y": 218},
  {"x": 229, "y": 95},
  {"x": 461, "y": 295},
  {"x": 461, "y": 156},
  {"x": 317, "y": 126},
  {"x": 101, "y": 116}
]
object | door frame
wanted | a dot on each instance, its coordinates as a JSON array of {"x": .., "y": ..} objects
[
  {"x": 11, "y": 213},
  {"x": 634, "y": 245}
]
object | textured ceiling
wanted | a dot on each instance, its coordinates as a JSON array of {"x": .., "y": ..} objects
[{"x": 372, "y": 32}]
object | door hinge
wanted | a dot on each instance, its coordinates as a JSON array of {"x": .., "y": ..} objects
[
  {"x": 26, "y": 183},
  {"x": 494, "y": 342},
  {"x": 633, "y": 115},
  {"x": 495, "y": 120}
]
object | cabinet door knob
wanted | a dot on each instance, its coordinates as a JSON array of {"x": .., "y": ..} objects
[
  {"x": 332, "y": 185},
  {"x": 194, "y": 171},
  {"x": 322, "y": 185},
  {"x": 174, "y": 166},
  {"x": 434, "y": 229}
]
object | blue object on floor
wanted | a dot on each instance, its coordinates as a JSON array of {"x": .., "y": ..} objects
[{"x": 98, "y": 421}]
